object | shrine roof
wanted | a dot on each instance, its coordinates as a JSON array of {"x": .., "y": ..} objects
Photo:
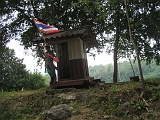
[{"x": 82, "y": 32}]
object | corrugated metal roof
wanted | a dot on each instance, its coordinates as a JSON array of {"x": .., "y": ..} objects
[
  {"x": 70, "y": 32},
  {"x": 82, "y": 32}
]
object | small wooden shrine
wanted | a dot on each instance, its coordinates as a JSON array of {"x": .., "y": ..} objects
[{"x": 70, "y": 47}]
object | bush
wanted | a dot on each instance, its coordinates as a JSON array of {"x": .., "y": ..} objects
[{"x": 34, "y": 81}]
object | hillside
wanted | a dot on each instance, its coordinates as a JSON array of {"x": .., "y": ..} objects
[
  {"x": 121, "y": 101},
  {"x": 125, "y": 71}
]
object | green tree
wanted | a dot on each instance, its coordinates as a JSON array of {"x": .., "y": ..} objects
[
  {"x": 105, "y": 73},
  {"x": 12, "y": 70},
  {"x": 13, "y": 73},
  {"x": 125, "y": 71},
  {"x": 34, "y": 81},
  {"x": 135, "y": 48},
  {"x": 100, "y": 15}
]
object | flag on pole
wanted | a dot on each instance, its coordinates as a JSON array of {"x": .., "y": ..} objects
[{"x": 45, "y": 28}]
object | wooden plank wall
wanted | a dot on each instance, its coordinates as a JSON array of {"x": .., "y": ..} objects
[
  {"x": 79, "y": 68},
  {"x": 78, "y": 59},
  {"x": 77, "y": 49}
]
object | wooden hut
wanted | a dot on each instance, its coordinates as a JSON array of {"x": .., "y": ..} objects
[{"x": 70, "y": 47}]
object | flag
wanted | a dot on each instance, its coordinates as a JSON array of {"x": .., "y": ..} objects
[{"x": 45, "y": 28}]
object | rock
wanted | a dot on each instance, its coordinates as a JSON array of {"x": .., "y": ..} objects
[
  {"x": 62, "y": 95},
  {"x": 70, "y": 97},
  {"x": 123, "y": 110},
  {"x": 76, "y": 97},
  {"x": 109, "y": 117},
  {"x": 83, "y": 97},
  {"x": 106, "y": 117},
  {"x": 102, "y": 84},
  {"x": 60, "y": 112}
]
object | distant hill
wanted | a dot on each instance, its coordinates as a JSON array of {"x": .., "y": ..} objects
[{"x": 124, "y": 71}]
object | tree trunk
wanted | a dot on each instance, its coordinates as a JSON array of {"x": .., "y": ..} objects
[
  {"x": 115, "y": 74},
  {"x": 136, "y": 50},
  {"x": 131, "y": 66}
]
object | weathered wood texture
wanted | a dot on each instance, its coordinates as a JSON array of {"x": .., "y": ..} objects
[
  {"x": 72, "y": 60},
  {"x": 79, "y": 68},
  {"x": 64, "y": 65},
  {"x": 76, "y": 49}
]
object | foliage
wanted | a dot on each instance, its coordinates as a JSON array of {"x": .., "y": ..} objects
[
  {"x": 13, "y": 73},
  {"x": 124, "y": 72},
  {"x": 28, "y": 110},
  {"x": 154, "y": 81},
  {"x": 34, "y": 81},
  {"x": 100, "y": 15},
  {"x": 47, "y": 79}
]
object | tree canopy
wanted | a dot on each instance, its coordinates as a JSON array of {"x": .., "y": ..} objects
[
  {"x": 105, "y": 72},
  {"x": 16, "y": 16},
  {"x": 12, "y": 70},
  {"x": 13, "y": 73}
]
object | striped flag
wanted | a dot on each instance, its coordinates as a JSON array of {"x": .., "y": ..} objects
[{"x": 45, "y": 28}]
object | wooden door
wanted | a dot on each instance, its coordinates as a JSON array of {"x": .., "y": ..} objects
[{"x": 64, "y": 61}]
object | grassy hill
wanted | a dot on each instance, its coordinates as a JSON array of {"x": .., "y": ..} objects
[{"x": 122, "y": 101}]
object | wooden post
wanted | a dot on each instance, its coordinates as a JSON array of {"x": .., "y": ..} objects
[{"x": 57, "y": 56}]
